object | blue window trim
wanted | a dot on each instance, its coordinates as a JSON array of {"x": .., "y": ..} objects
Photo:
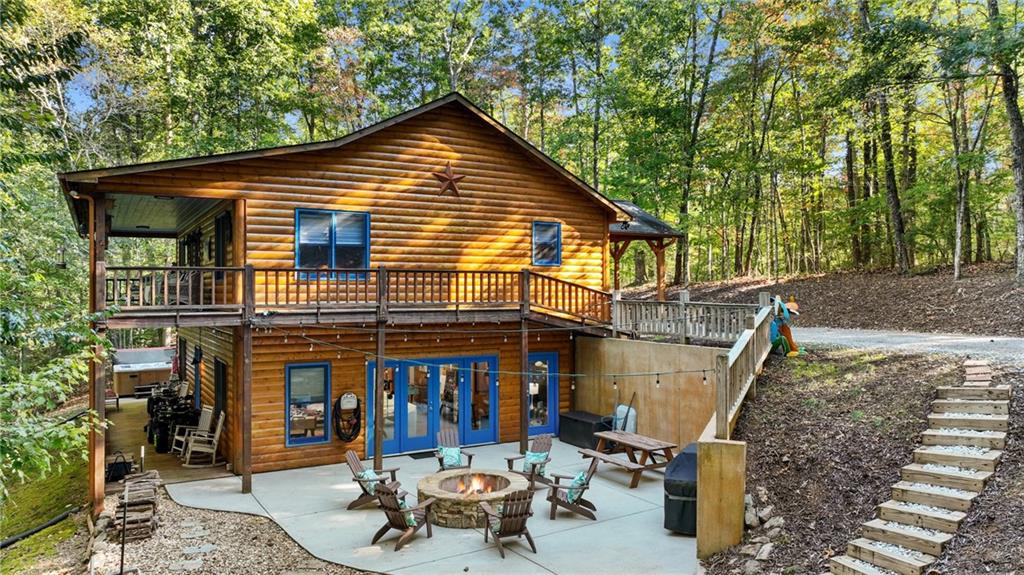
[
  {"x": 331, "y": 240},
  {"x": 288, "y": 441},
  {"x": 533, "y": 245}
]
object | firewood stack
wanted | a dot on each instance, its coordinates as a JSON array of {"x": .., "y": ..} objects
[{"x": 140, "y": 496}]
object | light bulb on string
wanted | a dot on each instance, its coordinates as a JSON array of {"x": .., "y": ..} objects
[
  {"x": 310, "y": 347},
  {"x": 615, "y": 384},
  {"x": 572, "y": 383},
  {"x": 704, "y": 376},
  {"x": 657, "y": 381}
]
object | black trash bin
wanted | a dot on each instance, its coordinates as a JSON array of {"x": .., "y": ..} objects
[{"x": 681, "y": 492}]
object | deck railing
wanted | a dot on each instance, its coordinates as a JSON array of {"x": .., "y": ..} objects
[
  {"x": 682, "y": 320},
  {"x": 173, "y": 288},
  {"x": 736, "y": 370},
  {"x": 146, "y": 290}
]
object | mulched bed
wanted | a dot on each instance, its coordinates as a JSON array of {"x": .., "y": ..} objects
[
  {"x": 991, "y": 540},
  {"x": 826, "y": 437},
  {"x": 986, "y": 302}
]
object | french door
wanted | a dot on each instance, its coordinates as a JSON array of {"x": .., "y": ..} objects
[
  {"x": 422, "y": 397},
  {"x": 542, "y": 408}
]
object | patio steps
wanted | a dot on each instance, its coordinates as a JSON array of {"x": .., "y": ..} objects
[{"x": 959, "y": 454}]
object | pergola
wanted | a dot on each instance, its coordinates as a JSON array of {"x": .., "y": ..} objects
[{"x": 644, "y": 226}]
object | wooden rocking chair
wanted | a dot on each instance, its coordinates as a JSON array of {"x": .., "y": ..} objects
[
  {"x": 182, "y": 432},
  {"x": 541, "y": 444},
  {"x": 204, "y": 443},
  {"x": 357, "y": 469},
  {"x": 511, "y": 522},
  {"x": 559, "y": 494},
  {"x": 398, "y": 517},
  {"x": 450, "y": 438}
]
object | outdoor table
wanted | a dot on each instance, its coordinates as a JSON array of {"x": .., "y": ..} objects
[{"x": 632, "y": 444}]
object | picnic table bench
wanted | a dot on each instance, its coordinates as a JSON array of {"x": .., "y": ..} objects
[{"x": 653, "y": 453}]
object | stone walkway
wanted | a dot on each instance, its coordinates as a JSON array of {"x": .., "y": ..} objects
[{"x": 309, "y": 504}]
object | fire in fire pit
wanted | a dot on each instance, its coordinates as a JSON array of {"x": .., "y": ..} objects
[{"x": 474, "y": 483}]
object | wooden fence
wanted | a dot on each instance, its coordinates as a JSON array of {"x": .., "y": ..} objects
[
  {"x": 736, "y": 371},
  {"x": 682, "y": 320}
]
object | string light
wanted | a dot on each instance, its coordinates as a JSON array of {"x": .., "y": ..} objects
[
  {"x": 310, "y": 347},
  {"x": 704, "y": 376},
  {"x": 657, "y": 382},
  {"x": 615, "y": 384}
]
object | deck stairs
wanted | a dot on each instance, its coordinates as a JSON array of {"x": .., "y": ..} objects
[{"x": 958, "y": 454}]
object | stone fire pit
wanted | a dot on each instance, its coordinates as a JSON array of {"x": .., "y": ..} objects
[{"x": 459, "y": 492}]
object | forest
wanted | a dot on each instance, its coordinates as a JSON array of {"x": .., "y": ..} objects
[{"x": 780, "y": 137}]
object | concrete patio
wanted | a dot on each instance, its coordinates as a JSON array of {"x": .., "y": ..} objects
[{"x": 309, "y": 504}]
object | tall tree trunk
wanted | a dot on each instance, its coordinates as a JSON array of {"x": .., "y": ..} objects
[
  {"x": 1011, "y": 91},
  {"x": 892, "y": 193},
  {"x": 851, "y": 199}
]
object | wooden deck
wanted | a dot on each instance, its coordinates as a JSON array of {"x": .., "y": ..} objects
[{"x": 126, "y": 434}]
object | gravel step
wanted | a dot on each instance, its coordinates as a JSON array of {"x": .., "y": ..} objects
[
  {"x": 917, "y": 538},
  {"x": 969, "y": 421},
  {"x": 897, "y": 558},
  {"x": 927, "y": 516},
  {"x": 980, "y": 458},
  {"x": 959, "y": 392},
  {"x": 991, "y": 406},
  {"x": 951, "y": 436},
  {"x": 846, "y": 565},
  {"x": 946, "y": 476},
  {"x": 923, "y": 494}
]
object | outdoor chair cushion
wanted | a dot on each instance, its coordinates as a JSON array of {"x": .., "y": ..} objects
[
  {"x": 450, "y": 456},
  {"x": 409, "y": 519},
  {"x": 574, "y": 492},
  {"x": 371, "y": 486},
  {"x": 532, "y": 458},
  {"x": 495, "y": 522}
]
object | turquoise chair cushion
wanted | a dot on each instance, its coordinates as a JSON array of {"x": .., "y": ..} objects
[
  {"x": 450, "y": 456},
  {"x": 532, "y": 458},
  {"x": 371, "y": 486},
  {"x": 573, "y": 494},
  {"x": 410, "y": 520}
]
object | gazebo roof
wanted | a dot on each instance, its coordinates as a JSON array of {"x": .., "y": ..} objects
[{"x": 642, "y": 225}]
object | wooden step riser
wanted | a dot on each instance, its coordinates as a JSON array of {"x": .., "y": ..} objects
[
  {"x": 934, "y": 478},
  {"x": 838, "y": 567},
  {"x": 979, "y": 463},
  {"x": 991, "y": 407},
  {"x": 937, "y": 421},
  {"x": 935, "y": 499},
  {"x": 862, "y": 549},
  {"x": 910, "y": 542},
  {"x": 968, "y": 440},
  {"x": 990, "y": 393},
  {"x": 918, "y": 519}
]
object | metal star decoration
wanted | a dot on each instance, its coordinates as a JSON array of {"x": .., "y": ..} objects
[{"x": 449, "y": 181}]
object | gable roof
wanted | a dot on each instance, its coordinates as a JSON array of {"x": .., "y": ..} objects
[
  {"x": 642, "y": 224},
  {"x": 69, "y": 179}
]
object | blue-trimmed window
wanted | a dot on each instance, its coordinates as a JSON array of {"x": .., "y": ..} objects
[
  {"x": 547, "y": 244},
  {"x": 332, "y": 239},
  {"x": 307, "y": 398}
]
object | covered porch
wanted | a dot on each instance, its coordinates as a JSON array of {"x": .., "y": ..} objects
[{"x": 648, "y": 228}]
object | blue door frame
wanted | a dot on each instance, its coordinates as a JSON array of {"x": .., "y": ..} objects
[
  {"x": 551, "y": 358},
  {"x": 400, "y": 442}
]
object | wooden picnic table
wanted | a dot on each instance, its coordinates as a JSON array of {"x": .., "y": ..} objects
[{"x": 653, "y": 453}]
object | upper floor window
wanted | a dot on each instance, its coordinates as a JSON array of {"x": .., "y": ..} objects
[
  {"x": 332, "y": 239},
  {"x": 547, "y": 244}
]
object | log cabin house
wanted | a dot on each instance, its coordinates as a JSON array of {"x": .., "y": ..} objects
[{"x": 437, "y": 243}]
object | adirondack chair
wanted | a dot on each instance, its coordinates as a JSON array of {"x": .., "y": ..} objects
[
  {"x": 559, "y": 494},
  {"x": 450, "y": 438},
  {"x": 356, "y": 467},
  {"x": 203, "y": 444},
  {"x": 541, "y": 444},
  {"x": 511, "y": 522},
  {"x": 182, "y": 432},
  {"x": 397, "y": 518}
]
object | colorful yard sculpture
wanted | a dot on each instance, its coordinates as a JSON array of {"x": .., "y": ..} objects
[{"x": 782, "y": 335}]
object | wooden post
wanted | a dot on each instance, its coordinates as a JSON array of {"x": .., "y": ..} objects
[
  {"x": 752, "y": 359},
  {"x": 97, "y": 375},
  {"x": 684, "y": 298},
  {"x": 722, "y": 396},
  {"x": 378, "y": 380},
  {"x": 249, "y": 311},
  {"x": 618, "y": 250},
  {"x": 524, "y": 362},
  {"x": 764, "y": 299},
  {"x": 658, "y": 247}
]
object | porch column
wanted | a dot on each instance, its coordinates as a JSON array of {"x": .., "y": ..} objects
[
  {"x": 249, "y": 309},
  {"x": 658, "y": 247},
  {"x": 524, "y": 362},
  {"x": 378, "y": 380},
  {"x": 97, "y": 375},
  {"x": 618, "y": 250}
]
